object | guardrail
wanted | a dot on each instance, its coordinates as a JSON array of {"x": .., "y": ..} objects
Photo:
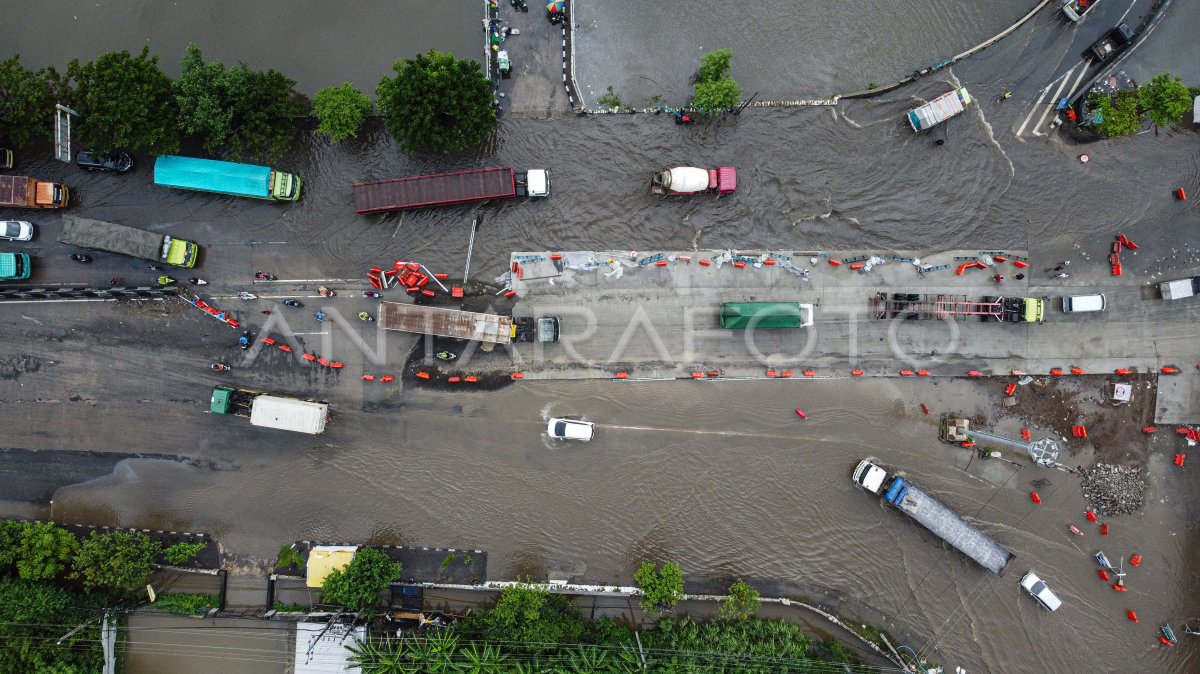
[{"x": 34, "y": 293}]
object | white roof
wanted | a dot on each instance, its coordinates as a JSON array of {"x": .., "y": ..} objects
[
  {"x": 688, "y": 179},
  {"x": 323, "y": 651},
  {"x": 289, "y": 414},
  {"x": 1196, "y": 111}
]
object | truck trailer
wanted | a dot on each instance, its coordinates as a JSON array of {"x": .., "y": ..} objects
[
  {"x": 765, "y": 315},
  {"x": 1180, "y": 288},
  {"x": 954, "y": 307},
  {"x": 467, "y": 325},
  {"x": 114, "y": 238},
  {"x": 26, "y": 192},
  {"x": 439, "y": 189},
  {"x": 226, "y": 177},
  {"x": 268, "y": 411},
  {"x": 903, "y": 495}
]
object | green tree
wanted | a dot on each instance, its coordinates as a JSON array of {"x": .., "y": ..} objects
[
  {"x": 1117, "y": 116},
  {"x": 46, "y": 549},
  {"x": 115, "y": 562},
  {"x": 10, "y": 544},
  {"x": 715, "y": 91},
  {"x": 661, "y": 589},
  {"x": 26, "y": 103},
  {"x": 530, "y": 615},
  {"x": 124, "y": 101},
  {"x": 1166, "y": 100},
  {"x": 181, "y": 552},
  {"x": 741, "y": 601},
  {"x": 289, "y": 555},
  {"x": 247, "y": 112},
  {"x": 357, "y": 587},
  {"x": 26, "y": 646},
  {"x": 436, "y": 103},
  {"x": 341, "y": 111}
]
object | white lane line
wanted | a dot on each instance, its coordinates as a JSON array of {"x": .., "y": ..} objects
[
  {"x": 1051, "y": 105},
  {"x": 1034, "y": 108},
  {"x": 309, "y": 280},
  {"x": 1079, "y": 79}
]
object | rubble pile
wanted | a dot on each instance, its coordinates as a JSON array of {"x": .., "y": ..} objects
[{"x": 1112, "y": 490}]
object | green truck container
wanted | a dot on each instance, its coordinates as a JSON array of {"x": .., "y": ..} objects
[
  {"x": 14, "y": 266},
  {"x": 765, "y": 315}
]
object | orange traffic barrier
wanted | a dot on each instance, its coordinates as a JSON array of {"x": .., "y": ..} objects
[
  {"x": 922, "y": 373},
  {"x": 1010, "y": 389},
  {"x": 555, "y": 256},
  {"x": 999, "y": 258},
  {"x": 1123, "y": 370},
  {"x": 1170, "y": 369},
  {"x": 1025, "y": 435},
  {"x": 1119, "y": 587},
  {"x": 974, "y": 374},
  {"x": 925, "y": 408},
  {"x": 1078, "y": 370},
  {"x": 471, "y": 379},
  {"x": 368, "y": 377},
  {"x": 739, "y": 264},
  {"x": 1135, "y": 560},
  {"x": 1056, "y": 372},
  {"x": 968, "y": 443},
  {"x": 906, "y": 373},
  {"x": 285, "y": 348},
  {"x": 856, "y": 373},
  {"x": 309, "y": 357},
  {"x": 518, "y": 375},
  {"x": 714, "y": 373},
  {"x": 622, "y": 375},
  {"x": 1033, "y": 496},
  {"x": 697, "y": 375},
  {"x": 1020, "y": 265},
  {"x": 771, "y": 374},
  {"x": 422, "y": 375},
  {"x": 810, "y": 373},
  {"x": 786, "y": 374},
  {"x": 337, "y": 365},
  {"x": 705, "y": 263},
  {"x": 962, "y": 267},
  {"x": 769, "y": 262},
  {"x": 322, "y": 361},
  {"x": 454, "y": 380},
  {"x": 386, "y": 378},
  {"x": 857, "y": 265},
  {"x": 661, "y": 263},
  {"x": 834, "y": 263}
]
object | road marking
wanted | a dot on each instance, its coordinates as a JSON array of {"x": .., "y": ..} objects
[
  {"x": 309, "y": 280},
  {"x": 1086, "y": 65},
  {"x": 1033, "y": 109},
  {"x": 1053, "y": 103},
  {"x": 309, "y": 333}
]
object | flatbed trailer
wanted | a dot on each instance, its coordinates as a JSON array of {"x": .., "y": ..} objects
[
  {"x": 911, "y": 500},
  {"x": 379, "y": 196},
  {"x": 441, "y": 322},
  {"x": 943, "y": 307}
]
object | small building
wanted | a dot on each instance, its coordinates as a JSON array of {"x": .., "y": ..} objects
[
  {"x": 321, "y": 648},
  {"x": 323, "y": 559}
]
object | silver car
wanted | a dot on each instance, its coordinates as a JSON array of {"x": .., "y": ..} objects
[
  {"x": 16, "y": 230},
  {"x": 1044, "y": 595},
  {"x": 571, "y": 429}
]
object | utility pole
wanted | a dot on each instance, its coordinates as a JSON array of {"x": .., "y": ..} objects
[
  {"x": 470, "y": 249},
  {"x": 743, "y": 106},
  {"x": 642, "y": 654}
]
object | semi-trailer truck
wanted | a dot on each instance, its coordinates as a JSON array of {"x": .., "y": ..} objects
[
  {"x": 26, "y": 192},
  {"x": 468, "y": 325},
  {"x": 226, "y": 177},
  {"x": 114, "y": 238},
  {"x": 379, "y": 196},
  {"x": 268, "y": 411}
]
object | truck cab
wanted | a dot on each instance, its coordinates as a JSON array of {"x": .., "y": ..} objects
[
  {"x": 51, "y": 195},
  {"x": 285, "y": 186},
  {"x": 869, "y": 476},
  {"x": 179, "y": 252},
  {"x": 528, "y": 329},
  {"x": 534, "y": 183},
  {"x": 1024, "y": 309}
]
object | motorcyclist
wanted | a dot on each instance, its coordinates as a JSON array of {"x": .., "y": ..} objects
[
  {"x": 244, "y": 340},
  {"x": 165, "y": 280},
  {"x": 292, "y": 303},
  {"x": 364, "y": 316},
  {"x": 320, "y": 316}
]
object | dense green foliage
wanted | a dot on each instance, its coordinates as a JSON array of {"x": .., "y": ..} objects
[
  {"x": 26, "y": 104},
  {"x": 185, "y": 604},
  {"x": 124, "y": 101},
  {"x": 532, "y": 618},
  {"x": 31, "y": 619},
  {"x": 1117, "y": 116},
  {"x": 715, "y": 91},
  {"x": 436, "y": 103},
  {"x": 248, "y": 112},
  {"x": 115, "y": 563},
  {"x": 1166, "y": 100},
  {"x": 45, "y": 551},
  {"x": 741, "y": 601},
  {"x": 341, "y": 111},
  {"x": 180, "y": 553},
  {"x": 661, "y": 589},
  {"x": 288, "y": 556},
  {"x": 357, "y": 587}
]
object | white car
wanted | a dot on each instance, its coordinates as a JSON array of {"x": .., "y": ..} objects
[
  {"x": 16, "y": 230},
  {"x": 1037, "y": 587},
  {"x": 571, "y": 429}
]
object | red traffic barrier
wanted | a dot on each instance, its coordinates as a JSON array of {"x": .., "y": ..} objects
[
  {"x": 622, "y": 375},
  {"x": 386, "y": 378},
  {"x": 422, "y": 375},
  {"x": 428, "y": 293},
  {"x": 999, "y": 258},
  {"x": 705, "y": 263},
  {"x": 770, "y": 262},
  {"x": 309, "y": 357},
  {"x": 974, "y": 374},
  {"x": 1180, "y": 194},
  {"x": 518, "y": 375},
  {"x": 835, "y": 263},
  {"x": 1078, "y": 370},
  {"x": 337, "y": 365},
  {"x": 471, "y": 379},
  {"x": 441, "y": 277},
  {"x": 1119, "y": 587},
  {"x": 800, "y": 413},
  {"x": 663, "y": 263},
  {"x": 922, "y": 373},
  {"x": 969, "y": 443},
  {"x": 456, "y": 292},
  {"x": 322, "y": 361},
  {"x": 1010, "y": 389},
  {"x": 714, "y": 373},
  {"x": 856, "y": 373},
  {"x": 1132, "y": 616},
  {"x": 1179, "y": 459},
  {"x": 1091, "y": 516},
  {"x": 555, "y": 256},
  {"x": 962, "y": 268},
  {"x": 1124, "y": 241},
  {"x": 1104, "y": 575},
  {"x": 1123, "y": 370},
  {"x": 1149, "y": 429},
  {"x": 1135, "y": 560},
  {"x": 1182, "y": 430},
  {"x": 368, "y": 377},
  {"x": 414, "y": 266},
  {"x": 454, "y": 380},
  {"x": 1104, "y": 529},
  {"x": 285, "y": 348},
  {"x": 925, "y": 408},
  {"x": 1033, "y": 496},
  {"x": 510, "y": 294},
  {"x": 1166, "y": 641},
  {"x": 1026, "y": 435},
  {"x": 810, "y": 373},
  {"x": 771, "y": 374},
  {"x": 906, "y": 373},
  {"x": 1020, "y": 265},
  {"x": 786, "y": 374},
  {"x": 739, "y": 264},
  {"x": 1056, "y": 372},
  {"x": 1169, "y": 369},
  {"x": 269, "y": 341},
  {"x": 857, "y": 265},
  {"x": 697, "y": 375}
]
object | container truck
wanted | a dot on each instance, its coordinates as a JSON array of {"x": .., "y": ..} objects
[
  {"x": 25, "y": 192},
  {"x": 900, "y": 493},
  {"x": 439, "y": 189},
  {"x": 692, "y": 180},
  {"x": 765, "y": 315},
  {"x": 114, "y": 238},
  {"x": 939, "y": 109},
  {"x": 1180, "y": 288},
  {"x": 268, "y": 411},
  {"x": 468, "y": 325},
  {"x": 226, "y": 177}
]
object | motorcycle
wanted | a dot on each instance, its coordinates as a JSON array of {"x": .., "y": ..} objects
[
  {"x": 372, "y": 293},
  {"x": 247, "y": 296},
  {"x": 264, "y": 276},
  {"x": 218, "y": 367},
  {"x": 165, "y": 280},
  {"x": 320, "y": 316},
  {"x": 446, "y": 355},
  {"x": 325, "y": 292},
  {"x": 364, "y": 316},
  {"x": 244, "y": 340},
  {"x": 292, "y": 303},
  {"x": 78, "y": 257},
  {"x": 196, "y": 281}
]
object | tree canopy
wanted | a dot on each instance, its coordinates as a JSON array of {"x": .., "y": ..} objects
[
  {"x": 741, "y": 601},
  {"x": 248, "y": 112},
  {"x": 661, "y": 589},
  {"x": 26, "y": 646},
  {"x": 45, "y": 551},
  {"x": 1166, "y": 100},
  {"x": 115, "y": 562},
  {"x": 715, "y": 91},
  {"x": 532, "y": 617},
  {"x": 26, "y": 104},
  {"x": 124, "y": 101},
  {"x": 436, "y": 103},
  {"x": 357, "y": 587},
  {"x": 1116, "y": 116},
  {"x": 341, "y": 111}
]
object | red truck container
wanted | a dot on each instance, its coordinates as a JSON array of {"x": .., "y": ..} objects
[
  {"x": 23, "y": 192},
  {"x": 379, "y": 196}
]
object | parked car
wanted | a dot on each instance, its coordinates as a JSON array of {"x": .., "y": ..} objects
[
  {"x": 116, "y": 162},
  {"x": 1037, "y": 588},
  {"x": 1082, "y": 303},
  {"x": 1112, "y": 42},
  {"x": 571, "y": 429},
  {"x": 16, "y": 230}
]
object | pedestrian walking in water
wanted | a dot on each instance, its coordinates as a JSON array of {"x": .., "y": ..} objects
[{"x": 998, "y": 278}]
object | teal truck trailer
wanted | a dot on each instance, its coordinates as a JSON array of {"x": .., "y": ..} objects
[{"x": 226, "y": 177}]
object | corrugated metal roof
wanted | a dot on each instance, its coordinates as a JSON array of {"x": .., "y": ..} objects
[{"x": 321, "y": 648}]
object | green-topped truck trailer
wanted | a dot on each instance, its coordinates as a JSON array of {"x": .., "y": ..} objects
[
  {"x": 226, "y": 177},
  {"x": 114, "y": 238}
]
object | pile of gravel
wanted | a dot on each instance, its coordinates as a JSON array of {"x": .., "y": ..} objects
[{"x": 1113, "y": 490}]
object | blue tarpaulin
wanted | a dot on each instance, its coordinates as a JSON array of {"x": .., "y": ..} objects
[{"x": 213, "y": 176}]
